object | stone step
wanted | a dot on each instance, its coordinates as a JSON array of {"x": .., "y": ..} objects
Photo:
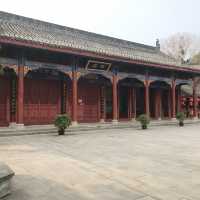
[{"x": 50, "y": 129}]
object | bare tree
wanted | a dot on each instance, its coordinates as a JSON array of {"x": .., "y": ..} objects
[
  {"x": 180, "y": 46},
  {"x": 195, "y": 60}
]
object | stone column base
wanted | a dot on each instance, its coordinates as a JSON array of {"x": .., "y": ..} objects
[
  {"x": 74, "y": 123},
  {"x": 173, "y": 119},
  {"x": 195, "y": 118},
  {"x": 12, "y": 125},
  {"x": 102, "y": 120},
  {"x": 16, "y": 126},
  {"x": 133, "y": 120},
  {"x": 115, "y": 121}
]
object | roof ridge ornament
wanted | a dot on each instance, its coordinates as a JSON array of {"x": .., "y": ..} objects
[{"x": 158, "y": 44}]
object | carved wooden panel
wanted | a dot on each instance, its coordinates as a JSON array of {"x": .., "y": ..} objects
[
  {"x": 42, "y": 101},
  {"x": 4, "y": 101}
]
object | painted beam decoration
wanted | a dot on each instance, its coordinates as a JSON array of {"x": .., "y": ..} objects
[{"x": 99, "y": 66}]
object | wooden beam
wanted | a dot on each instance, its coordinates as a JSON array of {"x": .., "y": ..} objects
[{"x": 7, "y": 40}]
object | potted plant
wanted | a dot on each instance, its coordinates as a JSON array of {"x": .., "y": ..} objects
[
  {"x": 180, "y": 116},
  {"x": 144, "y": 120},
  {"x": 62, "y": 122}
]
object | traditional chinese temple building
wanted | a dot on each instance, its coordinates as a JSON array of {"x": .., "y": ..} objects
[{"x": 48, "y": 69}]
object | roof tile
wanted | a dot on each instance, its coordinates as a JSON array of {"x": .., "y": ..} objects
[{"x": 28, "y": 29}]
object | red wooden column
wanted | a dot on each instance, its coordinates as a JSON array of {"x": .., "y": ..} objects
[
  {"x": 158, "y": 104},
  {"x": 169, "y": 105},
  {"x": 102, "y": 104},
  {"x": 146, "y": 85},
  {"x": 115, "y": 97},
  {"x": 173, "y": 92},
  {"x": 8, "y": 98},
  {"x": 20, "y": 95},
  {"x": 194, "y": 99},
  {"x": 74, "y": 96},
  {"x": 179, "y": 109},
  {"x": 132, "y": 104}
]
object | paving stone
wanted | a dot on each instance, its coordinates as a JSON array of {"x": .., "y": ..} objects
[
  {"x": 160, "y": 163},
  {"x": 147, "y": 198}
]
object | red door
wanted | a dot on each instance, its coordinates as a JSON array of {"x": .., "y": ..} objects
[
  {"x": 4, "y": 102},
  {"x": 41, "y": 102},
  {"x": 88, "y": 103}
]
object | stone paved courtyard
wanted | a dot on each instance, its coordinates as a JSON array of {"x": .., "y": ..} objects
[{"x": 160, "y": 163}]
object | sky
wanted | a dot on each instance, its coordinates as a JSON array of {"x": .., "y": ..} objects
[{"x": 141, "y": 21}]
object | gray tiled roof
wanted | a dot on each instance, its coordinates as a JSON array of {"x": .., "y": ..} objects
[{"x": 26, "y": 29}]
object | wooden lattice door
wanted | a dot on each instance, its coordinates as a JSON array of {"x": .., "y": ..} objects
[
  {"x": 88, "y": 103},
  {"x": 42, "y": 101},
  {"x": 4, "y": 101}
]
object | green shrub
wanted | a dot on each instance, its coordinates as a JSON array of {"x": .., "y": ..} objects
[
  {"x": 62, "y": 122},
  {"x": 180, "y": 116},
  {"x": 144, "y": 120}
]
